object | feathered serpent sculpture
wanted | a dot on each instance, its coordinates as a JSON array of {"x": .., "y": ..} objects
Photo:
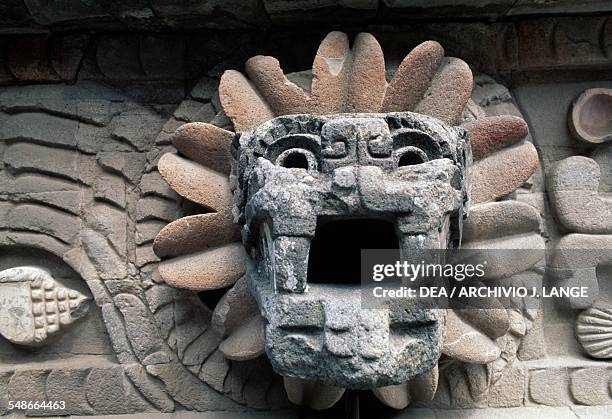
[{"x": 341, "y": 143}]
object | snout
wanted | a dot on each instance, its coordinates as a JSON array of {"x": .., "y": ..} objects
[{"x": 326, "y": 335}]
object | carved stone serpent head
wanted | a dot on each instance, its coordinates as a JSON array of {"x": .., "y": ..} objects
[
  {"x": 301, "y": 170},
  {"x": 299, "y": 176}
]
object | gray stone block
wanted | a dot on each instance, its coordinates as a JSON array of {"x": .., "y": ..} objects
[
  {"x": 37, "y": 127},
  {"x": 109, "y": 264},
  {"x": 190, "y": 392},
  {"x": 69, "y": 385},
  {"x": 549, "y": 387},
  {"x": 591, "y": 386}
]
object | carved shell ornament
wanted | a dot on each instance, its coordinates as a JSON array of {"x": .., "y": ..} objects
[
  {"x": 205, "y": 252},
  {"x": 34, "y": 307}
]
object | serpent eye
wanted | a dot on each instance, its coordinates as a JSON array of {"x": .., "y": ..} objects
[
  {"x": 297, "y": 158},
  {"x": 410, "y": 156},
  {"x": 412, "y": 147}
]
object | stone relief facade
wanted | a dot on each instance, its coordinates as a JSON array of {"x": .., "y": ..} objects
[{"x": 80, "y": 180}]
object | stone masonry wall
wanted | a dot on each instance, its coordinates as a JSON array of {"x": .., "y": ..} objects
[{"x": 84, "y": 117}]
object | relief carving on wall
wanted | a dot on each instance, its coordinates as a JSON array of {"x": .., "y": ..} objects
[
  {"x": 34, "y": 307},
  {"x": 580, "y": 195},
  {"x": 362, "y": 143}
]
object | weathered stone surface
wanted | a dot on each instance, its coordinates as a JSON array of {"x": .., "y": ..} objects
[
  {"x": 43, "y": 219},
  {"x": 533, "y": 7},
  {"x": 29, "y": 384},
  {"x": 246, "y": 341},
  {"x": 493, "y": 322},
  {"x": 205, "y": 144},
  {"x": 117, "y": 57},
  {"x": 574, "y": 261},
  {"x": 508, "y": 255},
  {"x": 579, "y": 206},
  {"x": 154, "y": 184},
  {"x": 86, "y": 101},
  {"x": 68, "y": 385},
  {"x": 491, "y": 134},
  {"x": 35, "y": 306},
  {"x": 36, "y": 126},
  {"x": 165, "y": 135},
  {"x": 590, "y": 386},
  {"x": 186, "y": 389},
  {"x": 241, "y": 102},
  {"x": 110, "y": 188},
  {"x": 424, "y": 9},
  {"x": 194, "y": 111},
  {"x": 215, "y": 370},
  {"x": 109, "y": 264},
  {"x": 449, "y": 91},
  {"x": 235, "y": 308},
  {"x": 366, "y": 88},
  {"x": 509, "y": 390},
  {"x": 503, "y": 172},
  {"x": 420, "y": 389},
  {"x": 549, "y": 386},
  {"x": 226, "y": 264},
  {"x": 116, "y": 331},
  {"x": 413, "y": 77},
  {"x": 110, "y": 392},
  {"x": 149, "y": 388},
  {"x": 141, "y": 331},
  {"x": 346, "y": 344},
  {"x": 192, "y": 319},
  {"x": 146, "y": 231},
  {"x": 134, "y": 14},
  {"x": 28, "y": 157},
  {"x": 145, "y": 255},
  {"x": 154, "y": 208},
  {"x": 282, "y": 95},
  {"x": 202, "y": 348},
  {"x": 423, "y": 387},
  {"x": 205, "y": 89},
  {"x": 138, "y": 127},
  {"x": 594, "y": 331},
  {"x": 162, "y": 56},
  {"x": 312, "y": 394},
  {"x": 463, "y": 342},
  {"x": 532, "y": 346},
  {"x": 27, "y": 59},
  {"x": 215, "y": 14},
  {"x": 129, "y": 165},
  {"x": 497, "y": 219},
  {"x": 197, "y": 183},
  {"x": 589, "y": 119},
  {"x": 46, "y": 190},
  {"x": 553, "y": 43},
  {"x": 397, "y": 397},
  {"x": 603, "y": 156},
  {"x": 331, "y": 73}
]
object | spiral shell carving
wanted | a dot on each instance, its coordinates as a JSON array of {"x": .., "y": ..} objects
[{"x": 34, "y": 307}]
